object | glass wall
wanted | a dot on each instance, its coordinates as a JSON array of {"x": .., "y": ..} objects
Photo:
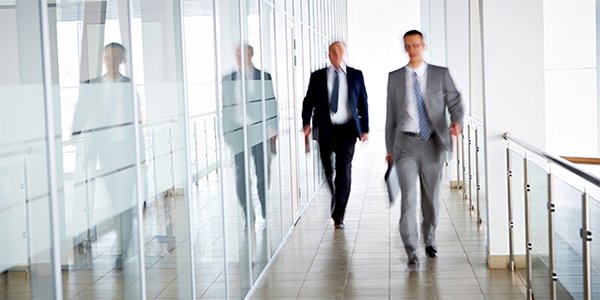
[{"x": 153, "y": 149}]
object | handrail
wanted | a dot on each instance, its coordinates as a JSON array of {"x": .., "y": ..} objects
[
  {"x": 473, "y": 120},
  {"x": 583, "y": 160},
  {"x": 559, "y": 161}
]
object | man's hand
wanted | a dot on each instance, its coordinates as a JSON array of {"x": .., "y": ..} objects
[
  {"x": 307, "y": 131},
  {"x": 389, "y": 159},
  {"x": 455, "y": 128},
  {"x": 364, "y": 137}
]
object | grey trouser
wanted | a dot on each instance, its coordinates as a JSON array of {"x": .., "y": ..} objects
[{"x": 422, "y": 160}]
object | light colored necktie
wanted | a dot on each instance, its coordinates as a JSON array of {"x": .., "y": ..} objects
[
  {"x": 333, "y": 104},
  {"x": 424, "y": 124}
]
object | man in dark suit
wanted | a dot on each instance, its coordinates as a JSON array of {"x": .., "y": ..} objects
[
  {"x": 417, "y": 136},
  {"x": 234, "y": 121},
  {"x": 336, "y": 100}
]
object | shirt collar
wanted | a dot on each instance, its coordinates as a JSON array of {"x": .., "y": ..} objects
[
  {"x": 420, "y": 69},
  {"x": 331, "y": 69}
]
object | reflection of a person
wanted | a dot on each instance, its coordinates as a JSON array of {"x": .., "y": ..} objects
[
  {"x": 234, "y": 116},
  {"x": 103, "y": 130},
  {"x": 417, "y": 136},
  {"x": 336, "y": 101}
]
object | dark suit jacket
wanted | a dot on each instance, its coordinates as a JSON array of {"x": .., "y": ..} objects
[{"x": 316, "y": 103}]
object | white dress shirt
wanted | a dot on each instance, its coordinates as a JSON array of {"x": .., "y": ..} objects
[
  {"x": 342, "y": 116},
  {"x": 411, "y": 123}
]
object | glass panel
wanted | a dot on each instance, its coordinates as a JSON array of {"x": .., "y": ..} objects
[
  {"x": 594, "y": 206},
  {"x": 99, "y": 105},
  {"x": 238, "y": 217},
  {"x": 158, "y": 48},
  {"x": 260, "y": 134},
  {"x": 207, "y": 207},
  {"x": 274, "y": 197},
  {"x": 26, "y": 265},
  {"x": 567, "y": 241},
  {"x": 284, "y": 137},
  {"x": 538, "y": 205}
]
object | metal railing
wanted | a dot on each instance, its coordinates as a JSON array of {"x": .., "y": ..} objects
[
  {"x": 560, "y": 201},
  {"x": 468, "y": 167}
]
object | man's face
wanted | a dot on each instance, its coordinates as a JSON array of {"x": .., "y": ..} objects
[
  {"x": 113, "y": 57},
  {"x": 247, "y": 57},
  {"x": 414, "y": 46},
  {"x": 336, "y": 55}
]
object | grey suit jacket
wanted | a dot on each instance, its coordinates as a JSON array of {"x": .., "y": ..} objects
[{"x": 440, "y": 97}]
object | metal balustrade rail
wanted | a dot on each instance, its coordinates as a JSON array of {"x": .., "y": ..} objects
[{"x": 573, "y": 207}]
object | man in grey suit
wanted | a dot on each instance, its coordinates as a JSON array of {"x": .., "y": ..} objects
[{"x": 417, "y": 136}]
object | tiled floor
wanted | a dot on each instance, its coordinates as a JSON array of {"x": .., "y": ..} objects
[{"x": 366, "y": 259}]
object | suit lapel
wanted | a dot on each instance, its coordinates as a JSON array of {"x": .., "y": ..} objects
[{"x": 431, "y": 79}]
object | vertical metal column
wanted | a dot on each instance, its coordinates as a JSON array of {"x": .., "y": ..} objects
[
  {"x": 477, "y": 183},
  {"x": 511, "y": 263},
  {"x": 462, "y": 150},
  {"x": 586, "y": 237},
  {"x": 551, "y": 268},
  {"x": 529, "y": 247},
  {"x": 196, "y": 154},
  {"x": 469, "y": 164}
]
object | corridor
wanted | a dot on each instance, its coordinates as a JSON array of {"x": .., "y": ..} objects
[{"x": 366, "y": 259}]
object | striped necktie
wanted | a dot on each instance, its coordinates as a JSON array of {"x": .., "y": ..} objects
[{"x": 424, "y": 124}]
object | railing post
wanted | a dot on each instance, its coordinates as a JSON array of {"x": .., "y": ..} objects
[
  {"x": 511, "y": 263},
  {"x": 471, "y": 207},
  {"x": 586, "y": 237},
  {"x": 171, "y": 153},
  {"x": 477, "y": 184},
  {"x": 551, "y": 268},
  {"x": 206, "y": 150},
  {"x": 529, "y": 247},
  {"x": 458, "y": 162},
  {"x": 196, "y": 153},
  {"x": 464, "y": 170},
  {"x": 155, "y": 172}
]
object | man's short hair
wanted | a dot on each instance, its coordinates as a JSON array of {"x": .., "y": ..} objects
[
  {"x": 115, "y": 46},
  {"x": 336, "y": 43},
  {"x": 413, "y": 32}
]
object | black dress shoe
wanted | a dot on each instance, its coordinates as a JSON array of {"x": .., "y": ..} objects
[
  {"x": 431, "y": 252},
  {"x": 339, "y": 225}
]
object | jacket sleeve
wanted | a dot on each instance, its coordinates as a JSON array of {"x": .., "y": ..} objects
[
  {"x": 363, "y": 105},
  {"x": 308, "y": 105},
  {"x": 390, "y": 120},
  {"x": 453, "y": 99}
]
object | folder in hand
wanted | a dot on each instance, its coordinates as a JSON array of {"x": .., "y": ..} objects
[{"x": 392, "y": 183}]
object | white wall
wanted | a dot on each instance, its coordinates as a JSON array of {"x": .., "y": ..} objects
[
  {"x": 514, "y": 101},
  {"x": 375, "y": 45},
  {"x": 571, "y": 83}
]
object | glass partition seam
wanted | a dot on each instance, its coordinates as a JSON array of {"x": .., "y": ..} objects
[
  {"x": 138, "y": 171},
  {"x": 219, "y": 125},
  {"x": 51, "y": 150},
  {"x": 186, "y": 132}
]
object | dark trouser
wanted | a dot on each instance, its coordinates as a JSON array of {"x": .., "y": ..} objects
[
  {"x": 240, "y": 170},
  {"x": 341, "y": 142}
]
